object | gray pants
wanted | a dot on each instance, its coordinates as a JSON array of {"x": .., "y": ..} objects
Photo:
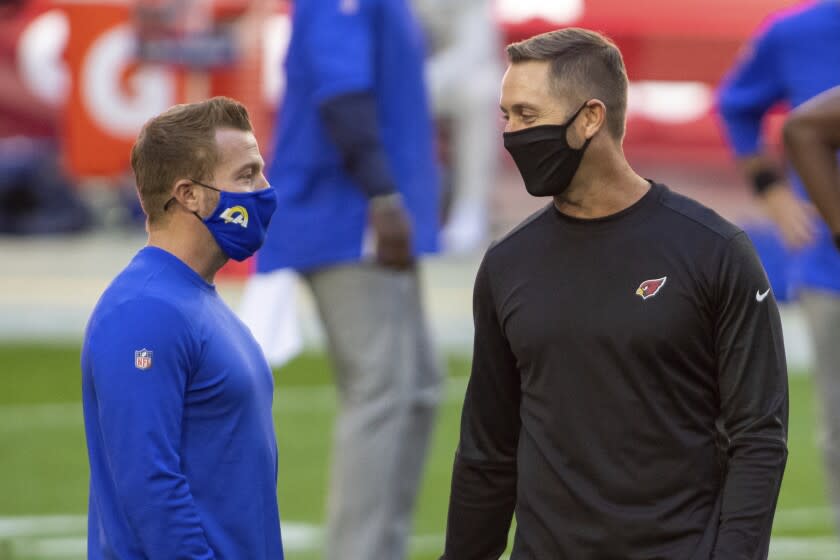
[
  {"x": 389, "y": 387},
  {"x": 822, "y": 310}
]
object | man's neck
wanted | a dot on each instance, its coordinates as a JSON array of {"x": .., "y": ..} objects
[
  {"x": 192, "y": 248},
  {"x": 607, "y": 189}
]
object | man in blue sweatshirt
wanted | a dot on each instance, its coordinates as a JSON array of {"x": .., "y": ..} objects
[
  {"x": 794, "y": 58},
  {"x": 177, "y": 394}
]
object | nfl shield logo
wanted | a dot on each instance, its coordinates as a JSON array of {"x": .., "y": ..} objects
[{"x": 143, "y": 359}]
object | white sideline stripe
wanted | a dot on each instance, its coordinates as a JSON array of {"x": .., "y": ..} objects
[
  {"x": 785, "y": 548},
  {"x": 67, "y": 547},
  {"x": 305, "y": 536},
  {"x": 316, "y": 398},
  {"x": 801, "y": 548},
  {"x": 35, "y": 525},
  {"x": 58, "y": 535}
]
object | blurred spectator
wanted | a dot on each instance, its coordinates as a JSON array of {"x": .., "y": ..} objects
[
  {"x": 793, "y": 59},
  {"x": 8, "y": 8},
  {"x": 463, "y": 73},
  {"x": 812, "y": 139},
  {"x": 355, "y": 151},
  {"x": 182, "y": 33},
  {"x": 35, "y": 195}
]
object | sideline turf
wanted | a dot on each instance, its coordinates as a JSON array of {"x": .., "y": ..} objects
[{"x": 43, "y": 462}]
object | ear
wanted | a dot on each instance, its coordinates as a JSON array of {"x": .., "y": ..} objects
[
  {"x": 593, "y": 117},
  {"x": 186, "y": 193}
]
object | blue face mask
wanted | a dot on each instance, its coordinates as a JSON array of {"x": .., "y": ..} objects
[{"x": 240, "y": 220}]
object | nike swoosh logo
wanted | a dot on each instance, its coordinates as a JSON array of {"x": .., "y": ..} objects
[{"x": 759, "y": 297}]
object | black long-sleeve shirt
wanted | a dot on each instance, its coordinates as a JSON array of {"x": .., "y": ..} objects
[{"x": 628, "y": 396}]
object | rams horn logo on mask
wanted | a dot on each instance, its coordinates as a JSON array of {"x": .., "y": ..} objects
[{"x": 237, "y": 215}]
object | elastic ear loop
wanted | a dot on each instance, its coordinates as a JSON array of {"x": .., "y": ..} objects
[
  {"x": 571, "y": 119},
  {"x": 199, "y": 183}
]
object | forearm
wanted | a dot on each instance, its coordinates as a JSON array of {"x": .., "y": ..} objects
[
  {"x": 151, "y": 488},
  {"x": 761, "y": 173},
  {"x": 484, "y": 477},
  {"x": 162, "y": 512},
  {"x": 351, "y": 123},
  {"x": 750, "y": 492},
  {"x": 814, "y": 156},
  {"x": 753, "y": 391},
  {"x": 481, "y": 506}
]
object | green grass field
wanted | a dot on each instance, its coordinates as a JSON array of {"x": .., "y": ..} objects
[{"x": 43, "y": 461}]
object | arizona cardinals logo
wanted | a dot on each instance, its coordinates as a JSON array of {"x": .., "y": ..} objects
[{"x": 650, "y": 288}]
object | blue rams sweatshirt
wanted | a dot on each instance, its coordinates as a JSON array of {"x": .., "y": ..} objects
[{"x": 177, "y": 405}]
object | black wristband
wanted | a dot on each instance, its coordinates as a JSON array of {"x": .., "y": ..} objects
[
  {"x": 837, "y": 240},
  {"x": 763, "y": 179}
]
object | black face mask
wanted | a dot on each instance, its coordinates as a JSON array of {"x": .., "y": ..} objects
[{"x": 545, "y": 160}]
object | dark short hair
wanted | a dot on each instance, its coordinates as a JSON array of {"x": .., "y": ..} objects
[
  {"x": 584, "y": 64},
  {"x": 181, "y": 143}
]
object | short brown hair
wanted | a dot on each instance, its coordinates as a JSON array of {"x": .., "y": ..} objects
[
  {"x": 584, "y": 64},
  {"x": 181, "y": 143}
]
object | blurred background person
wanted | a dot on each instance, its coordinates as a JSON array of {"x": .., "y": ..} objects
[
  {"x": 812, "y": 141},
  {"x": 36, "y": 196},
  {"x": 354, "y": 160},
  {"x": 463, "y": 72},
  {"x": 792, "y": 59}
]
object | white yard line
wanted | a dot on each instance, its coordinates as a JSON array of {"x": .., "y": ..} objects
[
  {"x": 61, "y": 536},
  {"x": 799, "y": 548},
  {"x": 51, "y": 548},
  {"x": 35, "y": 525},
  {"x": 805, "y": 548},
  {"x": 50, "y": 535}
]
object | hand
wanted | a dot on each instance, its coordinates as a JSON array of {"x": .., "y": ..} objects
[
  {"x": 795, "y": 218},
  {"x": 392, "y": 230}
]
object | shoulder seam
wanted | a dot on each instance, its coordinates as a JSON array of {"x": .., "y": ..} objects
[
  {"x": 142, "y": 296},
  {"x": 118, "y": 307},
  {"x": 524, "y": 224},
  {"x": 700, "y": 223},
  {"x": 723, "y": 255}
]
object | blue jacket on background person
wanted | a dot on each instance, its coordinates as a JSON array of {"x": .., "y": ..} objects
[
  {"x": 794, "y": 58},
  {"x": 338, "y": 48}
]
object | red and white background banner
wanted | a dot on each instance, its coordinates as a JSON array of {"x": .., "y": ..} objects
[{"x": 77, "y": 58}]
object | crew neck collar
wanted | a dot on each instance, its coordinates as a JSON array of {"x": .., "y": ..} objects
[
  {"x": 637, "y": 208},
  {"x": 177, "y": 265}
]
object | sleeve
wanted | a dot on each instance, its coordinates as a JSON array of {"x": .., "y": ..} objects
[
  {"x": 752, "y": 381},
  {"x": 352, "y": 124},
  {"x": 339, "y": 46},
  {"x": 483, "y": 493},
  {"x": 140, "y": 409},
  {"x": 340, "y": 51},
  {"x": 749, "y": 91}
]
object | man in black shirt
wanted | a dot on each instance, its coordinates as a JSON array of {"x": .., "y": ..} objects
[{"x": 628, "y": 397}]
